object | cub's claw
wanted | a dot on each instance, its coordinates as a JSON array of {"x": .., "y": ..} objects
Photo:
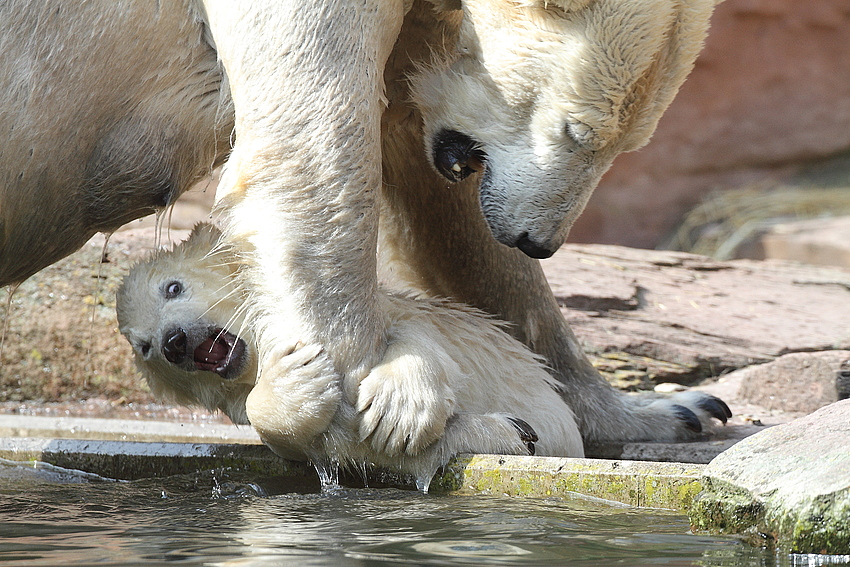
[{"x": 526, "y": 433}]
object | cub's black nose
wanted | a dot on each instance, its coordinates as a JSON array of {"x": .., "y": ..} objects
[{"x": 174, "y": 346}]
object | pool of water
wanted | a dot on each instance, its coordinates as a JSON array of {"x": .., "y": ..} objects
[{"x": 53, "y": 517}]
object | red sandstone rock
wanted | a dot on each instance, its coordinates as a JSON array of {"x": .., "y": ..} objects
[{"x": 770, "y": 91}]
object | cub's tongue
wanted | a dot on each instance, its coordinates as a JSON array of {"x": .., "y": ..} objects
[{"x": 214, "y": 353}]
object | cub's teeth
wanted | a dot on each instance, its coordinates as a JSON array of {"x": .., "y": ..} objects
[{"x": 456, "y": 167}]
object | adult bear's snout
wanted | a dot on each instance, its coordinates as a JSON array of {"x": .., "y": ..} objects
[{"x": 174, "y": 346}]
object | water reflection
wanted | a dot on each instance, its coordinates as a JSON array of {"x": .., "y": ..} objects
[{"x": 52, "y": 517}]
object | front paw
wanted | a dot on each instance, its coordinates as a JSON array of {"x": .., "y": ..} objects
[
  {"x": 296, "y": 397},
  {"x": 404, "y": 403}
]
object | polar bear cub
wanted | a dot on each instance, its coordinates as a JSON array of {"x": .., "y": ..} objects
[{"x": 451, "y": 380}]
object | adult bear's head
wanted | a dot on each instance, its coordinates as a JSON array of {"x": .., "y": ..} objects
[{"x": 544, "y": 94}]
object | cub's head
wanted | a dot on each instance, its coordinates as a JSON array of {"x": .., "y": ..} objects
[
  {"x": 182, "y": 312},
  {"x": 542, "y": 95}
]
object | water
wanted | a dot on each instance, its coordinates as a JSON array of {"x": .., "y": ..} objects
[{"x": 55, "y": 517}]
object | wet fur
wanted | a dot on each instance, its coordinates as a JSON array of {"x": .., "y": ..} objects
[
  {"x": 113, "y": 109},
  {"x": 457, "y": 381}
]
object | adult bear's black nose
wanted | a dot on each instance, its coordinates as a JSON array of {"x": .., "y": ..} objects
[
  {"x": 174, "y": 346},
  {"x": 533, "y": 249}
]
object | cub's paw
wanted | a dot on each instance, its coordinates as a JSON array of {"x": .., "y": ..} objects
[{"x": 404, "y": 403}]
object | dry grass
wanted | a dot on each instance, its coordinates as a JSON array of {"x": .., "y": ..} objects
[{"x": 726, "y": 221}]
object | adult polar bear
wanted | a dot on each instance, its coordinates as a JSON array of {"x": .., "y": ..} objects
[{"x": 546, "y": 93}]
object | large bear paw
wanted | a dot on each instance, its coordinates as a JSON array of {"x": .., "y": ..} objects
[
  {"x": 696, "y": 408},
  {"x": 404, "y": 402},
  {"x": 296, "y": 397}
]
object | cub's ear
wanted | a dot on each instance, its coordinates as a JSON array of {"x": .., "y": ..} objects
[
  {"x": 205, "y": 230},
  {"x": 203, "y": 241}
]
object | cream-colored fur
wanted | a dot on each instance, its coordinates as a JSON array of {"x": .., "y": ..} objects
[
  {"x": 551, "y": 92},
  {"x": 113, "y": 109},
  {"x": 302, "y": 201},
  {"x": 451, "y": 379}
]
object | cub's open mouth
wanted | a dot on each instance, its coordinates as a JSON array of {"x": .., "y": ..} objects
[{"x": 222, "y": 352}]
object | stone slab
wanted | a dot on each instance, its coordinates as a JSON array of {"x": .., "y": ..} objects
[
  {"x": 100, "y": 429},
  {"x": 788, "y": 486},
  {"x": 647, "y": 485},
  {"x": 797, "y": 382},
  {"x": 823, "y": 241},
  {"x": 682, "y": 317}
]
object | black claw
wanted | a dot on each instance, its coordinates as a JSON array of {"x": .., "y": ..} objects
[
  {"x": 526, "y": 433},
  {"x": 715, "y": 407},
  {"x": 690, "y": 418}
]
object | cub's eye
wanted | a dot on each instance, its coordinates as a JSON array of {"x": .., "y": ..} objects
[{"x": 172, "y": 289}]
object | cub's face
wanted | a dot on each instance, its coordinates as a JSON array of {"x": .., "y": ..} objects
[
  {"x": 543, "y": 94},
  {"x": 181, "y": 311}
]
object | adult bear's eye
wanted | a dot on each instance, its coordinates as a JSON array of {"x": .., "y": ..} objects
[{"x": 173, "y": 289}]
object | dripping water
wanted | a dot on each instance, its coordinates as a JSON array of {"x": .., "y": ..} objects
[
  {"x": 163, "y": 224},
  {"x": 424, "y": 478},
  {"x": 10, "y": 292},
  {"x": 328, "y": 472},
  {"x": 98, "y": 286},
  {"x": 361, "y": 470},
  {"x": 168, "y": 224},
  {"x": 160, "y": 214}
]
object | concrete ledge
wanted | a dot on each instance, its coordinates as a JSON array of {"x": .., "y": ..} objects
[
  {"x": 128, "y": 450},
  {"x": 645, "y": 484},
  {"x": 99, "y": 429},
  {"x": 131, "y": 460},
  {"x": 656, "y": 485}
]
